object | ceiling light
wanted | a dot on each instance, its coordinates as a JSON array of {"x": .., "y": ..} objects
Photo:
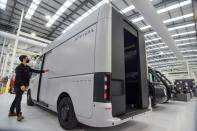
[
  {"x": 155, "y": 45},
  {"x": 182, "y": 26},
  {"x": 191, "y": 38},
  {"x": 184, "y": 44},
  {"x": 174, "y": 6},
  {"x": 47, "y": 17},
  {"x": 190, "y": 56},
  {"x": 160, "y": 59},
  {"x": 33, "y": 34},
  {"x": 32, "y": 9},
  {"x": 163, "y": 47},
  {"x": 131, "y": 7},
  {"x": 150, "y": 40},
  {"x": 3, "y": 4},
  {"x": 185, "y": 33},
  {"x": 137, "y": 19},
  {"x": 149, "y": 34},
  {"x": 185, "y": 51},
  {"x": 60, "y": 11},
  {"x": 178, "y": 18},
  {"x": 145, "y": 27},
  {"x": 86, "y": 14}
]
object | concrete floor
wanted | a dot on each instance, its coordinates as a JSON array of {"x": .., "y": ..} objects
[{"x": 173, "y": 116}]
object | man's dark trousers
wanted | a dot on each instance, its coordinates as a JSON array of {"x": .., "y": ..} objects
[{"x": 17, "y": 101}]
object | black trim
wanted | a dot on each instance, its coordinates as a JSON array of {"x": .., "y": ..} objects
[{"x": 40, "y": 79}]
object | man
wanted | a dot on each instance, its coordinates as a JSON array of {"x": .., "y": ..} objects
[{"x": 23, "y": 74}]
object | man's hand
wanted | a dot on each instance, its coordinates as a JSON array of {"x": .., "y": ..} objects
[{"x": 47, "y": 70}]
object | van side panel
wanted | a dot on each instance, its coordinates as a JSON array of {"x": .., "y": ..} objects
[
  {"x": 79, "y": 88},
  {"x": 75, "y": 56},
  {"x": 103, "y": 41},
  {"x": 71, "y": 67}
]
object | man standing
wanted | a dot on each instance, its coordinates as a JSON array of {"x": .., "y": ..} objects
[{"x": 23, "y": 74}]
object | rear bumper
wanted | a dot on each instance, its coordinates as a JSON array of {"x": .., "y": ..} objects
[{"x": 102, "y": 116}]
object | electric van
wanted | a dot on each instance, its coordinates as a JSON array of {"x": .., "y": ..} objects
[{"x": 97, "y": 72}]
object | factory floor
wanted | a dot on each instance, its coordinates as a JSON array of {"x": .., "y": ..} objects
[{"x": 172, "y": 116}]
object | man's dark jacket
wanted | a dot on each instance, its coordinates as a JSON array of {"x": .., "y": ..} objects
[{"x": 23, "y": 75}]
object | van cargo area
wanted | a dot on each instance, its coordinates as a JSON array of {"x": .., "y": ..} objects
[{"x": 129, "y": 89}]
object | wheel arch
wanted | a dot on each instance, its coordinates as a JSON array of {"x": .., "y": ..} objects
[{"x": 61, "y": 96}]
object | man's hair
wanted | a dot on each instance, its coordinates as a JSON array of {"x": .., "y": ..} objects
[{"x": 22, "y": 57}]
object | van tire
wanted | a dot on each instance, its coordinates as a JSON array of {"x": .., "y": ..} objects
[
  {"x": 66, "y": 114},
  {"x": 29, "y": 100}
]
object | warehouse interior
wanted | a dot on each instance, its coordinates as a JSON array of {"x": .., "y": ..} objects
[{"x": 142, "y": 52}]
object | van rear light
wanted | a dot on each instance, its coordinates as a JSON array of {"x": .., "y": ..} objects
[
  {"x": 102, "y": 81},
  {"x": 106, "y": 87}
]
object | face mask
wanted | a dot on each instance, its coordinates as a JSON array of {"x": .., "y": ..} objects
[{"x": 27, "y": 61}]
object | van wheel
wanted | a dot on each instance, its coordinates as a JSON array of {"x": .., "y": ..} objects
[
  {"x": 29, "y": 100},
  {"x": 66, "y": 114}
]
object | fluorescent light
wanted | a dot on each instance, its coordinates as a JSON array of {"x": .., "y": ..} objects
[
  {"x": 137, "y": 19},
  {"x": 185, "y": 33},
  {"x": 60, "y": 11},
  {"x": 160, "y": 59},
  {"x": 174, "y": 6},
  {"x": 184, "y": 51},
  {"x": 3, "y": 4},
  {"x": 163, "y": 47},
  {"x": 131, "y": 7},
  {"x": 155, "y": 39},
  {"x": 167, "y": 9},
  {"x": 155, "y": 45},
  {"x": 170, "y": 29},
  {"x": 145, "y": 27},
  {"x": 182, "y": 26},
  {"x": 191, "y": 43},
  {"x": 191, "y": 38},
  {"x": 86, "y": 14},
  {"x": 160, "y": 53},
  {"x": 178, "y": 18},
  {"x": 33, "y": 34},
  {"x": 149, "y": 34},
  {"x": 32, "y": 9},
  {"x": 190, "y": 56},
  {"x": 48, "y": 17}
]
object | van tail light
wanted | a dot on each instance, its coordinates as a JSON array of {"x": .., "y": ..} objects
[{"x": 106, "y": 87}]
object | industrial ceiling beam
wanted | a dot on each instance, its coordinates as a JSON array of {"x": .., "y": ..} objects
[
  {"x": 151, "y": 16},
  {"x": 23, "y": 39},
  {"x": 194, "y": 7}
]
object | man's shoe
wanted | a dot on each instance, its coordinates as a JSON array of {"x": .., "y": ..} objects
[
  {"x": 12, "y": 114},
  {"x": 20, "y": 117}
]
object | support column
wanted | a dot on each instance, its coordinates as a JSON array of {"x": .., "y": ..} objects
[
  {"x": 1, "y": 73},
  {"x": 16, "y": 43},
  {"x": 188, "y": 70},
  {"x": 2, "y": 62},
  {"x": 2, "y": 51},
  {"x": 5, "y": 64}
]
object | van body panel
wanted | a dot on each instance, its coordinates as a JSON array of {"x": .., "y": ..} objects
[
  {"x": 103, "y": 41},
  {"x": 79, "y": 88}
]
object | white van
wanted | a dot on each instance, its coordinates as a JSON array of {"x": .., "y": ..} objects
[{"x": 98, "y": 72}]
